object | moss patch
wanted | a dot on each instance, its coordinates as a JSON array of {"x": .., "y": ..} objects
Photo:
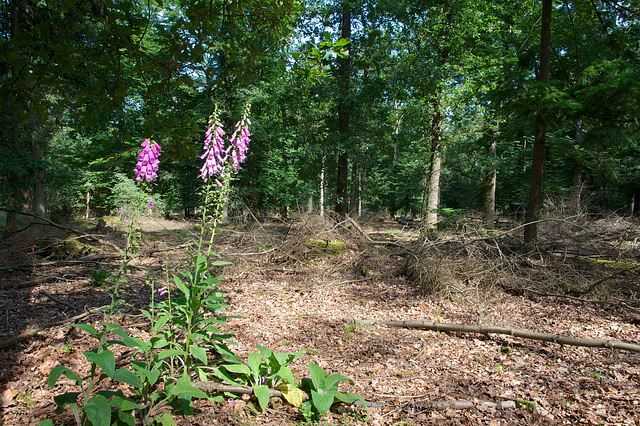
[{"x": 324, "y": 248}]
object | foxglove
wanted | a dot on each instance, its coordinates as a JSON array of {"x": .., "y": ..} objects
[{"x": 148, "y": 162}]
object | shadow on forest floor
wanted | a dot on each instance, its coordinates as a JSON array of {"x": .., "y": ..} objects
[{"x": 583, "y": 281}]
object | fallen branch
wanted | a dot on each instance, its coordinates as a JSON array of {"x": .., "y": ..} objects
[
  {"x": 17, "y": 338},
  {"x": 525, "y": 334},
  {"x": 58, "y": 300}
]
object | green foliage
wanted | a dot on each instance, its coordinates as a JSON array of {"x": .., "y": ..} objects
[
  {"x": 324, "y": 393},
  {"x": 128, "y": 196},
  {"x": 187, "y": 333}
]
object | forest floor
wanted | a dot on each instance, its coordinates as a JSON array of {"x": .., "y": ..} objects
[{"x": 583, "y": 283}]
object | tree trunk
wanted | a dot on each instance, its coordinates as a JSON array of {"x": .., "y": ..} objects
[
  {"x": 343, "y": 117},
  {"x": 39, "y": 202},
  {"x": 322, "y": 184},
  {"x": 394, "y": 160},
  {"x": 532, "y": 215},
  {"x": 433, "y": 179},
  {"x": 490, "y": 187},
  {"x": 577, "y": 172}
]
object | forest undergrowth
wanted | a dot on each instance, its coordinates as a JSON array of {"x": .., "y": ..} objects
[{"x": 294, "y": 286}]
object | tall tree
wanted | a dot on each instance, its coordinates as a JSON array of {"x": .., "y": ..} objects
[{"x": 539, "y": 150}]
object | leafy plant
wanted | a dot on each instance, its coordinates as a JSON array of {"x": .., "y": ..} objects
[
  {"x": 324, "y": 393},
  {"x": 181, "y": 318},
  {"x": 264, "y": 371}
]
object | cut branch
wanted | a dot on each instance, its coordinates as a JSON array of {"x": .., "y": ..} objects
[{"x": 525, "y": 334}]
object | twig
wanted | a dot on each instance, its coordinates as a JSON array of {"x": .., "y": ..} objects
[
  {"x": 58, "y": 300},
  {"x": 525, "y": 334}
]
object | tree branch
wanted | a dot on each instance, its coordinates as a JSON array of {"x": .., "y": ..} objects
[{"x": 525, "y": 334}]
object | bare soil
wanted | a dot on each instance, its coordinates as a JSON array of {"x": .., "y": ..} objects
[{"x": 583, "y": 283}]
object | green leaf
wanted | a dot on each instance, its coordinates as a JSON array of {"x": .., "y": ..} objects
[
  {"x": 238, "y": 369},
  {"x": 286, "y": 374},
  {"x": 182, "y": 287},
  {"x": 55, "y": 373},
  {"x": 125, "y": 376},
  {"x": 264, "y": 351},
  {"x": 350, "y": 398},
  {"x": 322, "y": 401},
  {"x": 333, "y": 380},
  {"x": 262, "y": 393},
  {"x": 187, "y": 392},
  {"x": 199, "y": 353},
  {"x": 318, "y": 376},
  {"x": 98, "y": 411},
  {"x": 160, "y": 323},
  {"x": 132, "y": 342},
  {"x": 170, "y": 352},
  {"x": 105, "y": 360},
  {"x": 88, "y": 328},
  {"x": 254, "y": 360},
  {"x": 47, "y": 422},
  {"x": 166, "y": 420},
  {"x": 68, "y": 398}
]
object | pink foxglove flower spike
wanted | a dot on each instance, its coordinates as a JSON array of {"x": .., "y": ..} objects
[{"x": 147, "y": 166}]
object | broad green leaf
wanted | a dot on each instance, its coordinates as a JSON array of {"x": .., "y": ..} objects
[
  {"x": 88, "y": 328},
  {"x": 318, "y": 376},
  {"x": 98, "y": 411},
  {"x": 199, "y": 353},
  {"x": 333, "y": 380},
  {"x": 105, "y": 360},
  {"x": 166, "y": 420},
  {"x": 262, "y": 393},
  {"x": 238, "y": 369},
  {"x": 68, "y": 398},
  {"x": 170, "y": 352},
  {"x": 47, "y": 422},
  {"x": 58, "y": 370},
  {"x": 132, "y": 342},
  {"x": 187, "y": 392},
  {"x": 126, "y": 404},
  {"x": 322, "y": 401},
  {"x": 181, "y": 286},
  {"x": 125, "y": 376},
  {"x": 160, "y": 323},
  {"x": 265, "y": 352},
  {"x": 254, "y": 360},
  {"x": 286, "y": 374},
  {"x": 292, "y": 394}
]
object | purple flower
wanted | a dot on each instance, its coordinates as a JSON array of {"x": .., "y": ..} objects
[
  {"x": 240, "y": 142},
  {"x": 147, "y": 165},
  {"x": 150, "y": 204},
  {"x": 162, "y": 291},
  {"x": 214, "y": 153}
]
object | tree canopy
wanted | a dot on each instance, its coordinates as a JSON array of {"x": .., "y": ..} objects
[{"x": 402, "y": 107}]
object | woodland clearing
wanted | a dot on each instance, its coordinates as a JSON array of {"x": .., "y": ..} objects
[{"x": 583, "y": 283}]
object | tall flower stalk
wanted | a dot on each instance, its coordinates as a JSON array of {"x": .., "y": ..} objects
[{"x": 217, "y": 167}]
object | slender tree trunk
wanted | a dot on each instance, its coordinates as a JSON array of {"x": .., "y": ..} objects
[
  {"x": 322, "y": 185},
  {"x": 343, "y": 117},
  {"x": 394, "y": 161},
  {"x": 490, "y": 187},
  {"x": 433, "y": 179},
  {"x": 39, "y": 203},
  {"x": 577, "y": 171},
  {"x": 353, "y": 200},
  {"x": 532, "y": 214}
]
